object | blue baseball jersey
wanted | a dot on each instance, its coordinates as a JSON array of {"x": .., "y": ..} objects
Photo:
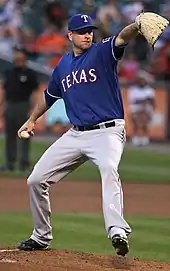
[{"x": 88, "y": 84}]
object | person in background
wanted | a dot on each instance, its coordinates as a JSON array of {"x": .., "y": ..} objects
[
  {"x": 141, "y": 104},
  {"x": 57, "y": 121},
  {"x": 110, "y": 18},
  {"x": 50, "y": 45},
  {"x": 19, "y": 85},
  {"x": 128, "y": 68},
  {"x": 132, "y": 9},
  {"x": 56, "y": 14}
]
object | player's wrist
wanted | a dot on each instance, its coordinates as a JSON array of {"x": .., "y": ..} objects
[
  {"x": 135, "y": 26},
  {"x": 32, "y": 119}
]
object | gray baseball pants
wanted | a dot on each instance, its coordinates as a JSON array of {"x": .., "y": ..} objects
[{"x": 104, "y": 148}]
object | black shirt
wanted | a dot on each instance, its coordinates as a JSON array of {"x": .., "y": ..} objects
[{"x": 19, "y": 84}]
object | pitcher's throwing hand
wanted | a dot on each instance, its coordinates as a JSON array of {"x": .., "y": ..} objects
[{"x": 27, "y": 129}]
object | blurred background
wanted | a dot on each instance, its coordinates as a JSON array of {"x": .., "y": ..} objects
[
  {"x": 37, "y": 29},
  {"x": 41, "y": 28}
]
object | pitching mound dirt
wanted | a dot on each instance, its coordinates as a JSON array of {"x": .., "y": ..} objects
[{"x": 53, "y": 260}]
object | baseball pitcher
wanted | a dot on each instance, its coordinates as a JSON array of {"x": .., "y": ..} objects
[{"x": 86, "y": 79}]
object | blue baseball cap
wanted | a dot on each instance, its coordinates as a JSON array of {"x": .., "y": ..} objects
[{"x": 80, "y": 21}]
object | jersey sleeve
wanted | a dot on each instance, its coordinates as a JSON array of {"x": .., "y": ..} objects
[
  {"x": 108, "y": 47},
  {"x": 53, "y": 91}
]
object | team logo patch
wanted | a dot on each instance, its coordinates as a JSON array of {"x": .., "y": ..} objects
[
  {"x": 106, "y": 39},
  {"x": 23, "y": 78}
]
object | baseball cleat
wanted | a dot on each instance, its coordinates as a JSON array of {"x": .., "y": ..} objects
[
  {"x": 121, "y": 245},
  {"x": 29, "y": 245}
]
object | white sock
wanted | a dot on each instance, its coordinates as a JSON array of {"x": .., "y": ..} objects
[{"x": 114, "y": 230}]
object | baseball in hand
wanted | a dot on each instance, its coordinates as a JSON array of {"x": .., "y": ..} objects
[{"x": 26, "y": 135}]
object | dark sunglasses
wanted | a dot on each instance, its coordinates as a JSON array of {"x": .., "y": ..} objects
[{"x": 83, "y": 31}]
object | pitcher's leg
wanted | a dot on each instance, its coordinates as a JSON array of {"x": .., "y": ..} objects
[
  {"x": 105, "y": 151},
  {"x": 39, "y": 198},
  {"x": 60, "y": 159},
  {"x": 112, "y": 200}
]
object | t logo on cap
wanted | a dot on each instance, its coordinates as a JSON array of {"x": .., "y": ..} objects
[
  {"x": 85, "y": 18},
  {"x": 80, "y": 21}
]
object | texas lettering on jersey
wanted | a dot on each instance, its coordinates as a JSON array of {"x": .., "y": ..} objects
[{"x": 79, "y": 77}]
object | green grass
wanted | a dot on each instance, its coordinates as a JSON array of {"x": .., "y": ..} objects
[
  {"x": 150, "y": 238},
  {"x": 136, "y": 166}
]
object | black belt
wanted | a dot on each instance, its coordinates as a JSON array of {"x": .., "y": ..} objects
[{"x": 93, "y": 127}]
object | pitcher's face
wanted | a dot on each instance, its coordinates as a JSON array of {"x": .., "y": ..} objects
[{"x": 81, "y": 39}]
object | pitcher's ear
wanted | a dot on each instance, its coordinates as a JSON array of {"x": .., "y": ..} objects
[{"x": 69, "y": 34}]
